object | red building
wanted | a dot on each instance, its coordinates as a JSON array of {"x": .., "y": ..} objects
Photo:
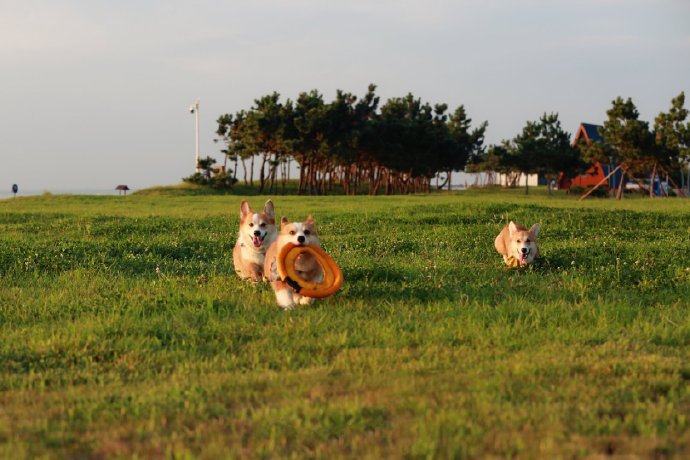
[{"x": 595, "y": 174}]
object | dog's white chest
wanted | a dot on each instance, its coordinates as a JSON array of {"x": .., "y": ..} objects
[{"x": 252, "y": 256}]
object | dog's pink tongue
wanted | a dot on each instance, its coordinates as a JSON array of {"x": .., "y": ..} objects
[
  {"x": 257, "y": 241},
  {"x": 522, "y": 259}
]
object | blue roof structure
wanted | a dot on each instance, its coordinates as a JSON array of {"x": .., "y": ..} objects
[{"x": 592, "y": 132}]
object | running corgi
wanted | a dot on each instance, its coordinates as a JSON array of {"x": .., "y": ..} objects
[
  {"x": 517, "y": 245},
  {"x": 299, "y": 233},
  {"x": 257, "y": 232}
]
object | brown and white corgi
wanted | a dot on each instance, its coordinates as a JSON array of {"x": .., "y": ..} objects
[
  {"x": 257, "y": 232},
  {"x": 299, "y": 233},
  {"x": 517, "y": 245}
]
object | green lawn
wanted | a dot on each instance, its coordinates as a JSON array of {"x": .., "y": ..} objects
[{"x": 124, "y": 331}]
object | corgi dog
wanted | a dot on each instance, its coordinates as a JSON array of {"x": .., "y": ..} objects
[
  {"x": 257, "y": 232},
  {"x": 299, "y": 233},
  {"x": 517, "y": 245}
]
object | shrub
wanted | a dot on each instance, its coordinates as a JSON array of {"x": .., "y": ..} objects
[
  {"x": 601, "y": 192},
  {"x": 220, "y": 181}
]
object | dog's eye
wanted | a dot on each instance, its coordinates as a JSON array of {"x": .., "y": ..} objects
[
  {"x": 519, "y": 241},
  {"x": 527, "y": 241},
  {"x": 263, "y": 224},
  {"x": 251, "y": 224},
  {"x": 307, "y": 232},
  {"x": 292, "y": 232}
]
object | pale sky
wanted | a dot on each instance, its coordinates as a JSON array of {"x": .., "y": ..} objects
[{"x": 96, "y": 93}]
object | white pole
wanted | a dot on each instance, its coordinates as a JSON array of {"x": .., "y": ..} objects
[{"x": 195, "y": 110}]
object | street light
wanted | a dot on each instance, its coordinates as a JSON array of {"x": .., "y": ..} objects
[{"x": 194, "y": 109}]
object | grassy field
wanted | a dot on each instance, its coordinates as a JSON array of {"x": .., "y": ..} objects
[{"x": 125, "y": 333}]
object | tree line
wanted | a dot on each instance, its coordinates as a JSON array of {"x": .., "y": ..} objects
[
  {"x": 360, "y": 145},
  {"x": 642, "y": 151},
  {"x": 354, "y": 143}
]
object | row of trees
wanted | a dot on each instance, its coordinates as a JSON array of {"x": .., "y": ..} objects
[
  {"x": 350, "y": 142},
  {"x": 544, "y": 148},
  {"x": 640, "y": 150},
  {"x": 362, "y": 146}
]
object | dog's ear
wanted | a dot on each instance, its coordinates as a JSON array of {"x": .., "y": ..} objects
[
  {"x": 310, "y": 224},
  {"x": 245, "y": 210},
  {"x": 512, "y": 228},
  {"x": 535, "y": 230},
  {"x": 269, "y": 211},
  {"x": 284, "y": 221}
]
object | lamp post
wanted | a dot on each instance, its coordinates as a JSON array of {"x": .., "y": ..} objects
[{"x": 194, "y": 109}]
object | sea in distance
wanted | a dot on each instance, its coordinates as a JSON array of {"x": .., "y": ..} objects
[{"x": 8, "y": 193}]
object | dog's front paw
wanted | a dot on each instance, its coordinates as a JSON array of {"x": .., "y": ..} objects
[
  {"x": 285, "y": 300},
  {"x": 305, "y": 300},
  {"x": 256, "y": 274}
]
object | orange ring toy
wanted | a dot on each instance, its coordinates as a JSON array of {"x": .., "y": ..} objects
[{"x": 332, "y": 275}]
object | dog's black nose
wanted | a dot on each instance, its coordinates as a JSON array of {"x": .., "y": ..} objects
[
  {"x": 524, "y": 250},
  {"x": 301, "y": 239},
  {"x": 257, "y": 232}
]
